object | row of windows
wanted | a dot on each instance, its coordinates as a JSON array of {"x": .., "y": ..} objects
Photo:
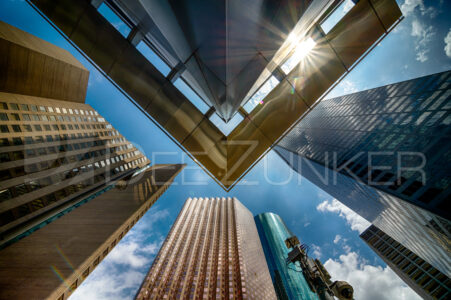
[
  {"x": 62, "y": 137},
  {"x": 33, "y": 185},
  {"x": 47, "y": 127},
  {"x": 36, "y": 204},
  {"x": 29, "y": 153},
  {"x": 50, "y": 109},
  {"x": 416, "y": 86},
  {"x": 160, "y": 285},
  {"x": 106, "y": 250},
  {"x": 384, "y": 107},
  {"x": 53, "y": 163},
  {"x": 46, "y": 118},
  {"x": 429, "y": 278},
  {"x": 379, "y": 122},
  {"x": 431, "y": 100}
]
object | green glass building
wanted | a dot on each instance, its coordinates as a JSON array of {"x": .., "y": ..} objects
[{"x": 289, "y": 282}]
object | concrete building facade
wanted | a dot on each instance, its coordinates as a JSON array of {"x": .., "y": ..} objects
[
  {"x": 53, "y": 149},
  {"x": 71, "y": 185}
]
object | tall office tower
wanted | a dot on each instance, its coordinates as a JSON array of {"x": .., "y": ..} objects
[
  {"x": 53, "y": 261},
  {"x": 52, "y": 152},
  {"x": 57, "y": 154},
  {"x": 212, "y": 252},
  {"x": 385, "y": 154},
  {"x": 423, "y": 278},
  {"x": 289, "y": 283}
]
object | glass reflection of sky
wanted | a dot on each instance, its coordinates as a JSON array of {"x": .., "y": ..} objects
[
  {"x": 114, "y": 19},
  {"x": 191, "y": 95},
  {"x": 258, "y": 97},
  {"x": 153, "y": 58},
  {"x": 336, "y": 16},
  {"x": 226, "y": 128}
]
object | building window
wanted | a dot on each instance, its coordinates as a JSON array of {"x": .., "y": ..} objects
[
  {"x": 86, "y": 273},
  {"x": 14, "y": 106},
  {"x": 4, "y": 157},
  {"x": 114, "y": 19}
]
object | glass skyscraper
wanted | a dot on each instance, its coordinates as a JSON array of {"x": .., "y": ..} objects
[
  {"x": 289, "y": 283},
  {"x": 381, "y": 152}
]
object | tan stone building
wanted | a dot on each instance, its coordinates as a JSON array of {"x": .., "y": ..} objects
[
  {"x": 212, "y": 252},
  {"x": 58, "y": 155}
]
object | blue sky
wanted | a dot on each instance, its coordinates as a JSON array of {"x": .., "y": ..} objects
[{"x": 418, "y": 46}]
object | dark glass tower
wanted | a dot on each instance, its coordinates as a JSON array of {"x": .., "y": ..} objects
[
  {"x": 385, "y": 154},
  {"x": 288, "y": 282}
]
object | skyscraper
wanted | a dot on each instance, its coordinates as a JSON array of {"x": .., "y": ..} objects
[
  {"x": 289, "y": 283},
  {"x": 71, "y": 186},
  {"x": 423, "y": 278},
  {"x": 53, "y": 261},
  {"x": 53, "y": 148},
  {"x": 212, "y": 252},
  {"x": 383, "y": 153}
]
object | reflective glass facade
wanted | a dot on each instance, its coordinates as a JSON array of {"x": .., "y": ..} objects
[
  {"x": 383, "y": 153},
  {"x": 208, "y": 68},
  {"x": 289, "y": 283},
  {"x": 212, "y": 252},
  {"x": 423, "y": 278}
]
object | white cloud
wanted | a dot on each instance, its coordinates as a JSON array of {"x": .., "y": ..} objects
[
  {"x": 108, "y": 282},
  {"x": 409, "y": 6},
  {"x": 347, "y": 248},
  {"x": 354, "y": 220},
  {"x": 337, "y": 239},
  {"x": 316, "y": 251},
  {"x": 423, "y": 35},
  {"x": 369, "y": 282},
  {"x": 448, "y": 43},
  {"x": 120, "y": 274},
  {"x": 128, "y": 254},
  {"x": 349, "y": 87}
]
